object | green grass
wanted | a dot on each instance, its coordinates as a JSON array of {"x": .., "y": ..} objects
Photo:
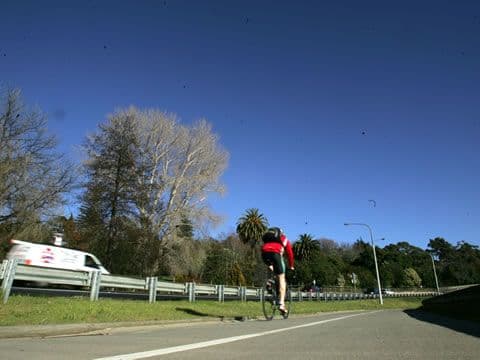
[{"x": 29, "y": 310}]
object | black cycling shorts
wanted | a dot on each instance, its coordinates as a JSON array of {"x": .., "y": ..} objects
[{"x": 275, "y": 259}]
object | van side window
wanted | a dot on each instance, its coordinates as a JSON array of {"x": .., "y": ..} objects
[{"x": 90, "y": 262}]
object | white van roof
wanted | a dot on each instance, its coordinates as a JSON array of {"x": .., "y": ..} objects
[
  {"x": 70, "y": 253},
  {"x": 22, "y": 242}
]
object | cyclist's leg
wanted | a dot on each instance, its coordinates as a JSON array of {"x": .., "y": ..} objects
[
  {"x": 282, "y": 287},
  {"x": 282, "y": 284},
  {"x": 279, "y": 269}
]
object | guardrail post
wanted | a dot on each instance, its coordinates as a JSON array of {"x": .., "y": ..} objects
[
  {"x": 244, "y": 294},
  {"x": 221, "y": 293},
  {"x": 8, "y": 277},
  {"x": 3, "y": 266},
  {"x": 95, "y": 278},
  {"x": 260, "y": 294},
  {"x": 191, "y": 291},
  {"x": 152, "y": 288}
]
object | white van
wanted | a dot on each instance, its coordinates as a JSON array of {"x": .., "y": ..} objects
[{"x": 54, "y": 257}]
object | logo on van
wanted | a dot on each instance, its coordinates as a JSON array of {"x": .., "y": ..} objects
[{"x": 47, "y": 256}]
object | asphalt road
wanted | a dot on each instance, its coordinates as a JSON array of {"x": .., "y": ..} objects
[{"x": 388, "y": 334}]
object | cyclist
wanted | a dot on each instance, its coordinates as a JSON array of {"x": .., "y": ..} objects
[{"x": 275, "y": 244}]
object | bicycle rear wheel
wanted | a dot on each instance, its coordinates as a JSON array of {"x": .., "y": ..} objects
[{"x": 269, "y": 300}]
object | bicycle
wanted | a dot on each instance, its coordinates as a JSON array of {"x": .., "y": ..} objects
[{"x": 270, "y": 301}]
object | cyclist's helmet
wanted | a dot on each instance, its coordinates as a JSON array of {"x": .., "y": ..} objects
[{"x": 273, "y": 234}]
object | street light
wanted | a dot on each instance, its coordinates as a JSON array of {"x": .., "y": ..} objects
[
  {"x": 435, "y": 274},
  {"x": 374, "y": 257}
]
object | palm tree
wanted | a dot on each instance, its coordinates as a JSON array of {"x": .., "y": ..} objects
[
  {"x": 305, "y": 246},
  {"x": 251, "y": 226}
]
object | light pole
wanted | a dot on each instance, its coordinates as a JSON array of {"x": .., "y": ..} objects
[
  {"x": 435, "y": 274},
  {"x": 374, "y": 257}
]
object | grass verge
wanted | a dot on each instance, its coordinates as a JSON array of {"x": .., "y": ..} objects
[{"x": 32, "y": 310}]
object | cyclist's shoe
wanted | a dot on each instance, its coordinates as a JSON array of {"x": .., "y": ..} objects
[{"x": 282, "y": 309}]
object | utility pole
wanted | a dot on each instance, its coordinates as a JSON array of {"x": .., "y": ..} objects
[{"x": 435, "y": 274}]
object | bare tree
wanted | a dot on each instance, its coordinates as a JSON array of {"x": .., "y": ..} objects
[
  {"x": 177, "y": 167},
  {"x": 33, "y": 177}
]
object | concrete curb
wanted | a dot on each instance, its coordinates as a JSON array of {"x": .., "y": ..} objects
[
  {"x": 82, "y": 329},
  {"x": 42, "y": 331}
]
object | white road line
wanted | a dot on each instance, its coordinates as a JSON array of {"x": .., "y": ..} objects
[{"x": 174, "y": 349}]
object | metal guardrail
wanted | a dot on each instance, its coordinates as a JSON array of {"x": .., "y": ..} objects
[
  {"x": 123, "y": 282},
  {"x": 3, "y": 268},
  {"x": 52, "y": 276},
  {"x": 171, "y": 287},
  {"x": 11, "y": 270},
  {"x": 205, "y": 289}
]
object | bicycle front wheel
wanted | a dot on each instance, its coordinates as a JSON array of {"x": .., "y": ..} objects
[{"x": 269, "y": 302}]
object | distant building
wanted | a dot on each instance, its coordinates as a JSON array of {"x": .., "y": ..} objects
[{"x": 58, "y": 239}]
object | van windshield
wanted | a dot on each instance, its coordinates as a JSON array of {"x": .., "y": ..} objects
[{"x": 90, "y": 262}]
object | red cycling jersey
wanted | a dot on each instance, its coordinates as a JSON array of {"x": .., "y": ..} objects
[{"x": 279, "y": 248}]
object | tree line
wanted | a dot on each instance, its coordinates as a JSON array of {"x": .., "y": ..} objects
[
  {"x": 141, "y": 191},
  {"x": 324, "y": 262},
  {"x": 144, "y": 175}
]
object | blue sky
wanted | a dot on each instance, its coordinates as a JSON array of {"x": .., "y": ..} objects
[{"x": 321, "y": 106}]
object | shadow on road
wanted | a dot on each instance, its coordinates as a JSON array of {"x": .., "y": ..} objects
[
  {"x": 464, "y": 326},
  {"x": 198, "y": 313},
  {"x": 192, "y": 312}
]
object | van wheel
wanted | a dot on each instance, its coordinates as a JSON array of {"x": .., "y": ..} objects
[{"x": 31, "y": 284}]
